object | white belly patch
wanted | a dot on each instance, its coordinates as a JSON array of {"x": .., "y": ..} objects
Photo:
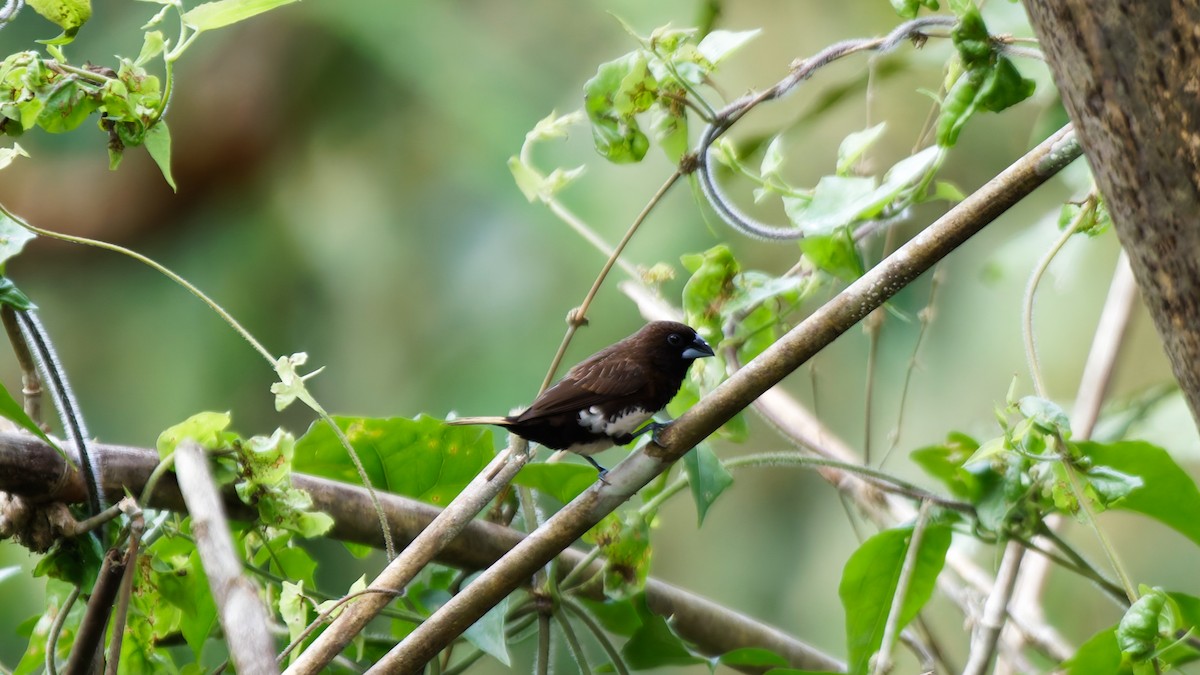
[{"x": 595, "y": 421}]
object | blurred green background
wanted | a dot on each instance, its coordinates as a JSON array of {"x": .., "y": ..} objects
[{"x": 343, "y": 191}]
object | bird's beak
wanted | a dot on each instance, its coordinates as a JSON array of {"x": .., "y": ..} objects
[{"x": 698, "y": 349}]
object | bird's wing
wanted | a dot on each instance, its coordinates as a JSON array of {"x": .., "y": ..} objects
[{"x": 594, "y": 381}]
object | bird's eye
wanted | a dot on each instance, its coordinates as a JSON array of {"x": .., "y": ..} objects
[{"x": 675, "y": 339}]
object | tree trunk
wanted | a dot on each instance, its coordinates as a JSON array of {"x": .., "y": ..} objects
[{"x": 1129, "y": 75}]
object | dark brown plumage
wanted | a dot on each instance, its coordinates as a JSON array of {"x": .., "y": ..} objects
[{"x": 605, "y": 399}]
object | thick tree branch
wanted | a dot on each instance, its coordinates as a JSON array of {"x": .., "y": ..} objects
[
  {"x": 33, "y": 468},
  {"x": 735, "y": 394}
]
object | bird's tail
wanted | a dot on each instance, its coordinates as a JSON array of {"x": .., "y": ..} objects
[{"x": 497, "y": 421}]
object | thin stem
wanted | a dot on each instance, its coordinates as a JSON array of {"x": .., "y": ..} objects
[
  {"x": 614, "y": 656},
  {"x": 891, "y": 629},
  {"x": 56, "y": 630},
  {"x": 578, "y": 316},
  {"x": 871, "y": 325},
  {"x": 578, "y": 570},
  {"x": 926, "y": 317},
  {"x": 1090, "y": 515},
  {"x": 542, "y": 662},
  {"x": 1031, "y": 356},
  {"x": 572, "y": 640},
  {"x": 878, "y": 478}
]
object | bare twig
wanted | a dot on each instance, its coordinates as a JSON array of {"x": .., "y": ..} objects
[
  {"x": 31, "y": 384},
  {"x": 88, "y": 649},
  {"x": 137, "y": 525},
  {"x": 243, "y": 617},
  {"x": 883, "y": 658},
  {"x": 983, "y": 641}
]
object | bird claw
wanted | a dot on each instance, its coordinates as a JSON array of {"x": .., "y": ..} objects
[
  {"x": 656, "y": 429},
  {"x": 601, "y": 472}
]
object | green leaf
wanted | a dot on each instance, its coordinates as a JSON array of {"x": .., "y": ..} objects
[
  {"x": 620, "y": 90},
  {"x": 904, "y": 175},
  {"x": 1100, "y": 654},
  {"x": 206, "y": 428},
  {"x": 14, "y": 412},
  {"x": 945, "y": 463},
  {"x": 1046, "y": 415},
  {"x": 538, "y": 187},
  {"x": 1110, "y": 486},
  {"x": 38, "y": 629},
  {"x": 653, "y": 644},
  {"x": 834, "y": 254},
  {"x": 709, "y": 287},
  {"x": 76, "y": 561},
  {"x": 772, "y": 160},
  {"x": 13, "y": 238},
  {"x": 958, "y": 106},
  {"x": 707, "y": 478},
  {"x": 1167, "y": 493},
  {"x": 671, "y": 131},
  {"x": 1004, "y": 87},
  {"x": 265, "y": 482},
  {"x": 947, "y": 191},
  {"x": 221, "y": 13},
  {"x": 293, "y": 609},
  {"x": 185, "y": 586},
  {"x": 719, "y": 44},
  {"x": 855, "y": 145},
  {"x": 7, "y": 155},
  {"x": 619, "y": 617},
  {"x": 66, "y": 106},
  {"x": 625, "y": 543},
  {"x": 421, "y": 458},
  {"x": 68, "y": 14},
  {"x": 1138, "y": 632},
  {"x": 907, "y": 9},
  {"x": 836, "y": 202},
  {"x": 564, "y": 481},
  {"x": 488, "y": 632},
  {"x": 971, "y": 38},
  {"x": 152, "y": 45},
  {"x": 281, "y": 557},
  {"x": 158, "y": 144},
  {"x": 870, "y": 579}
]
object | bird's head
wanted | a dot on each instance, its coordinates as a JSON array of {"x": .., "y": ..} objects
[{"x": 672, "y": 343}]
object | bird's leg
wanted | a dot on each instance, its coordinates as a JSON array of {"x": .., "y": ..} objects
[
  {"x": 602, "y": 472},
  {"x": 653, "y": 427}
]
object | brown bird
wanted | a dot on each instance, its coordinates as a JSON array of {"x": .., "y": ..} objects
[{"x": 604, "y": 400}]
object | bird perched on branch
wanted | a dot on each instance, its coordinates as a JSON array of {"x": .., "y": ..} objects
[{"x": 605, "y": 400}]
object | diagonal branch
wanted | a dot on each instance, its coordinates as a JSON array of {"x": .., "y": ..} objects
[
  {"x": 735, "y": 394},
  {"x": 243, "y": 616}
]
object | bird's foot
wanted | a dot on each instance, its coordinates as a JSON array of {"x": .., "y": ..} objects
[
  {"x": 601, "y": 472},
  {"x": 656, "y": 429}
]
